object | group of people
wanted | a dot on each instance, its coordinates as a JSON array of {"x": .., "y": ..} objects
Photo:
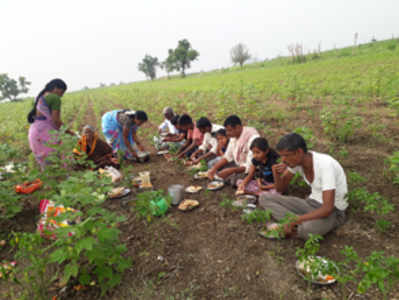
[{"x": 234, "y": 153}]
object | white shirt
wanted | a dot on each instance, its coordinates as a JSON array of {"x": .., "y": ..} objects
[
  {"x": 167, "y": 126},
  {"x": 238, "y": 150},
  {"x": 209, "y": 141},
  {"x": 328, "y": 175}
]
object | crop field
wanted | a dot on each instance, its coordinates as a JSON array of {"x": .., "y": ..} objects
[{"x": 344, "y": 102}]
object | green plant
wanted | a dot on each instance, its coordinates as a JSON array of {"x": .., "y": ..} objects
[
  {"x": 374, "y": 270},
  {"x": 393, "y": 164},
  {"x": 145, "y": 207},
  {"x": 374, "y": 203},
  {"x": 257, "y": 216}
]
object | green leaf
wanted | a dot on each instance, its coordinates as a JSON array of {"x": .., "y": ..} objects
[
  {"x": 59, "y": 255},
  {"x": 86, "y": 243},
  {"x": 71, "y": 270}
]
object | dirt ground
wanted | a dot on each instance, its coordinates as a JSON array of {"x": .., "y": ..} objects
[{"x": 210, "y": 253}]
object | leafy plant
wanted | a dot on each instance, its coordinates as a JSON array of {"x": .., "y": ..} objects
[
  {"x": 393, "y": 164},
  {"x": 145, "y": 206},
  {"x": 257, "y": 216},
  {"x": 374, "y": 270}
]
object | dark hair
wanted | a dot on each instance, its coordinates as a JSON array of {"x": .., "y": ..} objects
[
  {"x": 140, "y": 115},
  {"x": 221, "y": 131},
  {"x": 292, "y": 142},
  {"x": 185, "y": 120},
  {"x": 232, "y": 121},
  {"x": 175, "y": 119},
  {"x": 260, "y": 143},
  {"x": 203, "y": 122},
  {"x": 55, "y": 83}
]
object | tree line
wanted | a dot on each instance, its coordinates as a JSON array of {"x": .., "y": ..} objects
[{"x": 180, "y": 58}]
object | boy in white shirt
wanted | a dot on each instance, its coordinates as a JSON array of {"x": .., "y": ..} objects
[
  {"x": 208, "y": 148},
  {"x": 324, "y": 209}
]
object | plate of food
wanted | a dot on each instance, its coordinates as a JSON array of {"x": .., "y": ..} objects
[
  {"x": 188, "y": 204},
  {"x": 118, "y": 192},
  {"x": 162, "y": 152},
  {"x": 317, "y": 269},
  {"x": 201, "y": 175},
  {"x": 244, "y": 200},
  {"x": 192, "y": 189},
  {"x": 215, "y": 185}
]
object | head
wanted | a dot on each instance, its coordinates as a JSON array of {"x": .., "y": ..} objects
[
  {"x": 140, "y": 117},
  {"x": 55, "y": 86},
  {"x": 185, "y": 122},
  {"x": 260, "y": 148},
  {"x": 222, "y": 137},
  {"x": 204, "y": 125},
  {"x": 168, "y": 113},
  {"x": 292, "y": 149},
  {"x": 175, "y": 120},
  {"x": 88, "y": 131},
  {"x": 233, "y": 126}
]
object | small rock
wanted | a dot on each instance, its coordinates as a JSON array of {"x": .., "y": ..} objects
[{"x": 160, "y": 258}]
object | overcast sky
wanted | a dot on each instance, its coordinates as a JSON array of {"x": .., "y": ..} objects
[{"x": 86, "y": 42}]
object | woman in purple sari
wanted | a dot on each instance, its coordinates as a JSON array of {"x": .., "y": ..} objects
[{"x": 44, "y": 118}]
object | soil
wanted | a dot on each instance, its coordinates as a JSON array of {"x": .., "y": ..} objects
[{"x": 210, "y": 253}]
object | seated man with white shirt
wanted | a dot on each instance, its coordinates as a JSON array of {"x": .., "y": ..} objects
[
  {"x": 167, "y": 126},
  {"x": 324, "y": 209},
  {"x": 208, "y": 148},
  {"x": 238, "y": 156}
]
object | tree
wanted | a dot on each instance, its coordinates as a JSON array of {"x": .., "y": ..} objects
[
  {"x": 239, "y": 54},
  {"x": 11, "y": 88},
  {"x": 183, "y": 55},
  {"x": 169, "y": 64},
  {"x": 148, "y": 66}
]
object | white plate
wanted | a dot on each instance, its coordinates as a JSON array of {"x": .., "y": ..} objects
[
  {"x": 317, "y": 280},
  {"x": 220, "y": 184},
  {"x": 162, "y": 152},
  {"x": 123, "y": 194},
  {"x": 192, "y": 189},
  {"x": 201, "y": 175}
]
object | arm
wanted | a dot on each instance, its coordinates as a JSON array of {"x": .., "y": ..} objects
[
  {"x": 194, "y": 155},
  {"x": 216, "y": 167},
  {"x": 204, "y": 156},
  {"x": 137, "y": 141},
  {"x": 248, "y": 178},
  {"x": 265, "y": 187},
  {"x": 56, "y": 116},
  {"x": 191, "y": 146},
  {"x": 324, "y": 211},
  {"x": 282, "y": 177},
  {"x": 125, "y": 134}
]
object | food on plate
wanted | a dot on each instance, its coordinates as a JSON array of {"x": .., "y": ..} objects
[
  {"x": 188, "y": 204},
  {"x": 201, "y": 175},
  {"x": 193, "y": 188},
  {"x": 116, "y": 192},
  {"x": 317, "y": 269},
  {"x": 215, "y": 185}
]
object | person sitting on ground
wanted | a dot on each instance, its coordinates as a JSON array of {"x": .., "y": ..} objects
[
  {"x": 238, "y": 156},
  {"x": 119, "y": 129},
  {"x": 260, "y": 176},
  {"x": 166, "y": 126},
  {"x": 324, "y": 209},
  {"x": 97, "y": 150},
  {"x": 208, "y": 148},
  {"x": 194, "y": 136},
  {"x": 222, "y": 143},
  {"x": 171, "y": 141}
]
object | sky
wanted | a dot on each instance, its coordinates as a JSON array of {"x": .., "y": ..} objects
[{"x": 88, "y": 42}]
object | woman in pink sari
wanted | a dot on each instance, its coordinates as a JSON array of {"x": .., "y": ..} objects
[{"x": 44, "y": 118}]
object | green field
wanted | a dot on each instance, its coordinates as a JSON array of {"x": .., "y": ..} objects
[{"x": 344, "y": 102}]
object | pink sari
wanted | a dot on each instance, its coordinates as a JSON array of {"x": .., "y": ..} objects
[{"x": 40, "y": 135}]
